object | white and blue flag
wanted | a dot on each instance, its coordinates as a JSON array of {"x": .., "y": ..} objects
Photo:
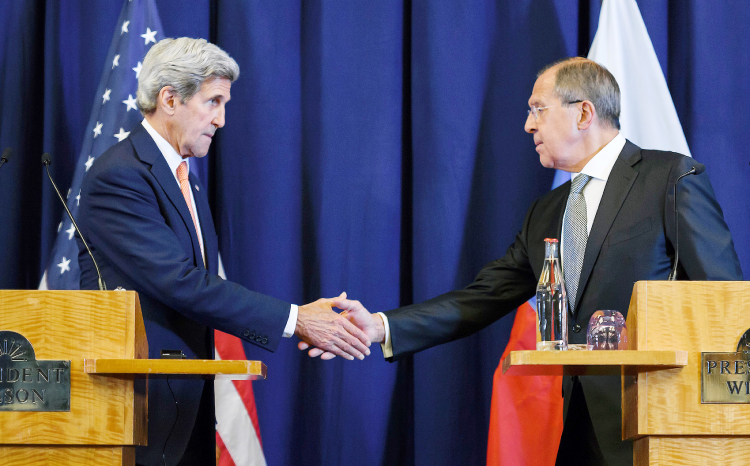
[{"x": 114, "y": 113}]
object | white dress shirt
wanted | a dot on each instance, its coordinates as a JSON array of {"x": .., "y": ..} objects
[
  {"x": 598, "y": 168},
  {"x": 174, "y": 160}
]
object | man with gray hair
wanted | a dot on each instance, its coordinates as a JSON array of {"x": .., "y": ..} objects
[
  {"x": 616, "y": 223},
  {"x": 151, "y": 230}
]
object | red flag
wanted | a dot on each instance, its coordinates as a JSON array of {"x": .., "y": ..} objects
[
  {"x": 526, "y": 412},
  {"x": 237, "y": 430}
]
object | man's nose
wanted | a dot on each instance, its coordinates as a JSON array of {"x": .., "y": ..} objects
[
  {"x": 530, "y": 126},
  {"x": 218, "y": 120}
]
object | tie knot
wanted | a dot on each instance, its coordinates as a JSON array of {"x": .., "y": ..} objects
[
  {"x": 576, "y": 186},
  {"x": 182, "y": 172}
]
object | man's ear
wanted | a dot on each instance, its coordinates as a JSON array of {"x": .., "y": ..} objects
[
  {"x": 588, "y": 113},
  {"x": 167, "y": 100}
]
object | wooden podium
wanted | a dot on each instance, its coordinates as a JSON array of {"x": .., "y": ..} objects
[
  {"x": 669, "y": 325},
  {"x": 102, "y": 334}
]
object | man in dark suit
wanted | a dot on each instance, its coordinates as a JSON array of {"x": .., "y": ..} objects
[
  {"x": 150, "y": 228},
  {"x": 621, "y": 201}
]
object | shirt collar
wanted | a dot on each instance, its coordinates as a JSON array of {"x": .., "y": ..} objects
[
  {"x": 601, "y": 164},
  {"x": 170, "y": 155}
]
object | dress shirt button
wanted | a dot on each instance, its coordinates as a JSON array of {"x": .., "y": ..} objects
[
  {"x": 576, "y": 328},
  {"x": 246, "y": 333}
]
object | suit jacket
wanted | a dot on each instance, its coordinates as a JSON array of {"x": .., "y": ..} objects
[
  {"x": 139, "y": 228},
  {"x": 631, "y": 239}
]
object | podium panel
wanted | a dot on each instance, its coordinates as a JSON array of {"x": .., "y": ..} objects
[
  {"x": 44, "y": 456},
  {"x": 691, "y": 451},
  {"x": 89, "y": 348},
  {"x": 662, "y": 411},
  {"x": 75, "y": 325},
  {"x": 693, "y": 316},
  {"x": 669, "y": 325}
]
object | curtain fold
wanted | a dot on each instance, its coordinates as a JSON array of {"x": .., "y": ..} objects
[{"x": 375, "y": 148}]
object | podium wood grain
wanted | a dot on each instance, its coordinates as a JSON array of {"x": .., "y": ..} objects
[
  {"x": 591, "y": 362},
  {"x": 691, "y": 451},
  {"x": 698, "y": 317},
  {"x": 233, "y": 369},
  {"x": 46, "y": 456},
  {"x": 75, "y": 325}
]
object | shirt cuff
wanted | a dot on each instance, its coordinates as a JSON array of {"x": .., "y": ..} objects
[
  {"x": 291, "y": 324},
  {"x": 387, "y": 346}
]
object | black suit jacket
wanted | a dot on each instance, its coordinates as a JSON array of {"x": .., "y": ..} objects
[
  {"x": 631, "y": 239},
  {"x": 138, "y": 225}
]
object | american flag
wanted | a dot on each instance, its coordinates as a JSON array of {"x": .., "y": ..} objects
[{"x": 114, "y": 112}]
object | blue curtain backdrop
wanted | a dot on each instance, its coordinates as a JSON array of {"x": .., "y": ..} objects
[{"x": 370, "y": 147}]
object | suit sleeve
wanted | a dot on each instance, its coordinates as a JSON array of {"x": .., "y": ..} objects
[
  {"x": 499, "y": 288},
  {"x": 124, "y": 222},
  {"x": 706, "y": 249}
]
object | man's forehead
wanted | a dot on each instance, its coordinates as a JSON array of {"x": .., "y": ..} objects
[
  {"x": 217, "y": 86},
  {"x": 543, "y": 88}
]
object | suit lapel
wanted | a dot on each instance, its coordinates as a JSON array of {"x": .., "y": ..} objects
[
  {"x": 149, "y": 153},
  {"x": 563, "y": 201},
  {"x": 620, "y": 180},
  {"x": 545, "y": 223}
]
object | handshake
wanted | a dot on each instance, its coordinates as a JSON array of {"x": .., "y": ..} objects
[{"x": 328, "y": 334}]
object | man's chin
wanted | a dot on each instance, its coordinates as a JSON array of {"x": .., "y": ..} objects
[
  {"x": 546, "y": 161},
  {"x": 201, "y": 152}
]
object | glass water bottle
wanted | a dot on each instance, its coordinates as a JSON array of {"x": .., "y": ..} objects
[{"x": 551, "y": 302}]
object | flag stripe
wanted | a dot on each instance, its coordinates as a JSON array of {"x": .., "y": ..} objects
[
  {"x": 521, "y": 404},
  {"x": 225, "y": 459},
  {"x": 238, "y": 429},
  {"x": 245, "y": 390}
]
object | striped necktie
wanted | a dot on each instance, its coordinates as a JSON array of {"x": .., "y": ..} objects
[
  {"x": 575, "y": 235},
  {"x": 182, "y": 176}
]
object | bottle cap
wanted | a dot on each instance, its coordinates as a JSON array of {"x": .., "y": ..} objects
[{"x": 551, "y": 240}]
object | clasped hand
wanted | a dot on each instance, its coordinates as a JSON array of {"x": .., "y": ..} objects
[
  {"x": 365, "y": 325},
  {"x": 331, "y": 333}
]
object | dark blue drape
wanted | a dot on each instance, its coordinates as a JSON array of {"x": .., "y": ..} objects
[{"x": 375, "y": 148}]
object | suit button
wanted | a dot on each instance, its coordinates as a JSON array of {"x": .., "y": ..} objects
[
  {"x": 246, "y": 333},
  {"x": 576, "y": 328},
  {"x": 265, "y": 341},
  {"x": 258, "y": 339},
  {"x": 251, "y": 336}
]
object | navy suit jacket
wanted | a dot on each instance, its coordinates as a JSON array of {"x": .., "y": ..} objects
[
  {"x": 139, "y": 228},
  {"x": 631, "y": 239}
]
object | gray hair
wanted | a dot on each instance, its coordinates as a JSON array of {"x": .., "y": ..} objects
[
  {"x": 579, "y": 78},
  {"x": 184, "y": 64}
]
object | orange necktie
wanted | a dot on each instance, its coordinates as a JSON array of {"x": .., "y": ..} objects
[{"x": 182, "y": 175}]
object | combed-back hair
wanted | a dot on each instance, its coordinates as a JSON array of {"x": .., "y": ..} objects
[
  {"x": 184, "y": 64},
  {"x": 579, "y": 78}
]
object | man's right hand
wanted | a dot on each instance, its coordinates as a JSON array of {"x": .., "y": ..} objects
[
  {"x": 331, "y": 333},
  {"x": 371, "y": 324}
]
